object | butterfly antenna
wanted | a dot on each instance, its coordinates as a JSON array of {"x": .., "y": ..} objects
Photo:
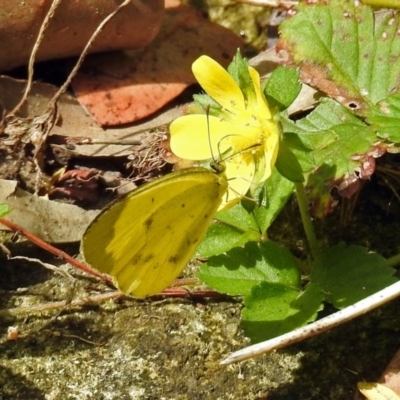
[{"x": 215, "y": 164}]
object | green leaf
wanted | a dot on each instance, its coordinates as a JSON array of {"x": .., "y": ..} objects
[
  {"x": 4, "y": 210},
  {"x": 344, "y": 51},
  {"x": 349, "y": 274},
  {"x": 203, "y": 104},
  {"x": 272, "y": 199},
  {"x": 386, "y": 122},
  {"x": 239, "y": 71},
  {"x": 288, "y": 164},
  {"x": 331, "y": 144},
  {"x": 237, "y": 271},
  {"x": 231, "y": 228},
  {"x": 273, "y": 309},
  {"x": 282, "y": 87}
]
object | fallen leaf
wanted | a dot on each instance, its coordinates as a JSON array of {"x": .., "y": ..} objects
[
  {"x": 74, "y": 22},
  {"x": 75, "y": 132},
  {"x": 120, "y": 88},
  {"x": 391, "y": 375},
  {"x": 49, "y": 220}
]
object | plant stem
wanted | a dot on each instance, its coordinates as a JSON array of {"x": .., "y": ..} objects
[
  {"x": 306, "y": 219},
  {"x": 393, "y": 261}
]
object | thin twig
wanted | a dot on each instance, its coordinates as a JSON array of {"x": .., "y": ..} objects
[
  {"x": 53, "y": 268},
  {"x": 270, "y": 3},
  {"x": 324, "y": 324},
  {"x": 57, "y": 252},
  {"x": 78, "y": 64},
  {"x": 60, "y": 304},
  {"x": 32, "y": 57}
]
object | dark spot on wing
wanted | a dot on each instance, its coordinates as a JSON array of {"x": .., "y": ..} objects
[
  {"x": 136, "y": 259},
  {"x": 148, "y": 258},
  {"x": 173, "y": 259},
  {"x": 183, "y": 205},
  {"x": 147, "y": 224}
]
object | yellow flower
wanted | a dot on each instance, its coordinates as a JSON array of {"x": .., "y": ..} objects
[{"x": 245, "y": 135}]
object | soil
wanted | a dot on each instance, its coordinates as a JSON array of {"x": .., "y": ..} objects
[{"x": 171, "y": 348}]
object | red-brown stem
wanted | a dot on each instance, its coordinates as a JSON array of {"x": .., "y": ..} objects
[
  {"x": 89, "y": 270},
  {"x": 53, "y": 250}
]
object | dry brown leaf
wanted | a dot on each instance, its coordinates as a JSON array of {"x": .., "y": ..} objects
[
  {"x": 74, "y": 123},
  {"x": 391, "y": 375},
  {"x": 122, "y": 88},
  {"x": 49, "y": 220},
  {"x": 73, "y": 24}
]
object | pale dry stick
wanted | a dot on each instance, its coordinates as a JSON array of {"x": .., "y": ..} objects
[
  {"x": 63, "y": 335},
  {"x": 35, "y": 49},
  {"x": 39, "y": 127},
  {"x": 60, "y": 304},
  {"x": 84, "y": 52},
  {"x": 315, "y": 328},
  {"x": 133, "y": 142},
  {"x": 51, "y": 267},
  {"x": 270, "y": 3},
  {"x": 33, "y": 130},
  {"x": 32, "y": 57}
]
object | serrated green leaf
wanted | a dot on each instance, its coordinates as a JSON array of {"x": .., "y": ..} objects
[
  {"x": 287, "y": 163},
  {"x": 237, "y": 271},
  {"x": 232, "y": 228},
  {"x": 277, "y": 191},
  {"x": 282, "y": 87},
  {"x": 335, "y": 141},
  {"x": 386, "y": 122},
  {"x": 4, "y": 210},
  {"x": 237, "y": 217},
  {"x": 221, "y": 238},
  {"x": 203, "y": 104},
  {"x": 349, "y": 274},
  {"x": 239, "y": 71},
  {"x": 273, "y": 309},
  {"x": 343, "y": 51}
]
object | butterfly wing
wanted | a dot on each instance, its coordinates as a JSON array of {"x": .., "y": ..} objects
[{"x": 145, "y": 239}]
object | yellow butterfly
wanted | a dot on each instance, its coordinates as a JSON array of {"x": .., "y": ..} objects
[{"x": 145, "y": 239}]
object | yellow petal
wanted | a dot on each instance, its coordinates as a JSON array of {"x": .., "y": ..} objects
[
  {"x": 240, "y": 172},
  {"x": 218, "y": 84},
  {"x": 191, "y": 136},
  {"x": 377, "y": 391},
  {"x": 262, "y": 171},
  {"x": 246, "y": 134},
  {"x": 260, "y": 107},
  {"x": 270, "y": 154}
]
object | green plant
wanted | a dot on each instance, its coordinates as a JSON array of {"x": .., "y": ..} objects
[{"x": 350, "y": 55}]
